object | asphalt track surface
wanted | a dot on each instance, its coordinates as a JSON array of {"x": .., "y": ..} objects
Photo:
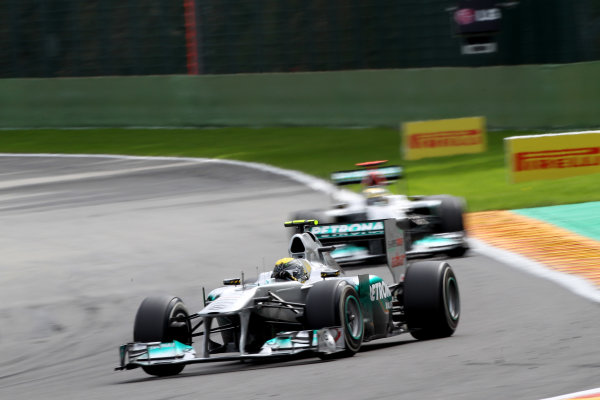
[{"x": 84, "y": 240}]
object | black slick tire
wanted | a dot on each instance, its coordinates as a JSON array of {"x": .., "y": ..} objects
[
  {"x": 335, "y": 303},
  {"x": 431, "y": 300},
  {"x": 451, "y": 212},
  {"x": 161, "y": 319}
]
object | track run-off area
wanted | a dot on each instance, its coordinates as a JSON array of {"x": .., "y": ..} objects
[
  {"x": 86, "y": 238},
  {"x": 570, "y": 259}
]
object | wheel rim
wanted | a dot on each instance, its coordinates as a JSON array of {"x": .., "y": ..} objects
[
  {"x": 353, "y": 314},
  {"x": 452, "y": 298},
  {"x": 179, "y": 330}
]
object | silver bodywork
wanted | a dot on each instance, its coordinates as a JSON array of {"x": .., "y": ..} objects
[{"x": 268, "y": 299}]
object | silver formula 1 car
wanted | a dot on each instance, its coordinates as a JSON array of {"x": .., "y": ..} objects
[
  {"x": 434, "y": 224},
  {"x": 306, "y": 304}
]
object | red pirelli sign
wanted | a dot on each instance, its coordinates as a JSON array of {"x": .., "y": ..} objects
[
  {"x": 553, "y": 156},
  {"x": 443, "y": 137},
  {"x": 446, "y": 139}
]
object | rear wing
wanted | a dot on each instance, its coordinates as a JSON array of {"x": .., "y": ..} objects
[
  {"x": 390, "y": 173},
  {"x": 385, "y": 231}
]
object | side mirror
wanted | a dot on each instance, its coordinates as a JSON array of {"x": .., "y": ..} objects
[
  {"x": 232, "y": 282},
  {"x": 330, "y": 273},
  {"x": 326, "y": 249}
]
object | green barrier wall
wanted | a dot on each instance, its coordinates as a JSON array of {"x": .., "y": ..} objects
[{"x": 518, "y": 97}]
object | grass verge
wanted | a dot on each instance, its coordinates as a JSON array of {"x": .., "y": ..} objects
[{"x": 480, "y": 178}]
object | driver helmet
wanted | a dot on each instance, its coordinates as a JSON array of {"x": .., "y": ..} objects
[
  {"x": 374, "y": 178},
  {"x": 291, "y": 269},
  {"x": 376, "y": 195}
]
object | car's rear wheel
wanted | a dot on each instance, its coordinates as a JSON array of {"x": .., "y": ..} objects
[
  {"x": 451, "y": 211},
  {"x": 335, "y": 303},
  {"x": 162, "y": 319},
  {"x": 431, "y": 300}
]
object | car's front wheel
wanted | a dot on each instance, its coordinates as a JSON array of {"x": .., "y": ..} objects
[
  {"x": 162, "y": 319},
  {"x": 335, "y": 303}
]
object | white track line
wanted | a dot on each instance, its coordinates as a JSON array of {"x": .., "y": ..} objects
[
  {"x": 551, "y": 134},
  {"x": 574, "y": 283},
  {"x": 85, "y": 175},
  {"x": 571, "y": 282},
  {"x": 312, "y": 182}
]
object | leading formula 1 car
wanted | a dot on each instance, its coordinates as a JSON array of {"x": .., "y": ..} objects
[
  {"x": 306, "y": 304},
  {"x": 434, "y": 224}
]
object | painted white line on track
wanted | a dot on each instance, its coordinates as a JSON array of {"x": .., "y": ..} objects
[
  {"x": 308, "y": 180},
  {"x": 552, "y": 134},
  {"x": 574, "y": 283},
  {"x": 576, "y": 395},
  {"x": 85, "y": 175}
]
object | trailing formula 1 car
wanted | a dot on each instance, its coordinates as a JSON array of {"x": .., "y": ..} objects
[
  {"x": 306, "y": 304},
  {"x": 434, "y": 224}
]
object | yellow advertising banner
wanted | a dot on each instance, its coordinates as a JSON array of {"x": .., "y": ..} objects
[
  {"x": 443, "y": 137},
  {"x": 552, "y": 156}
]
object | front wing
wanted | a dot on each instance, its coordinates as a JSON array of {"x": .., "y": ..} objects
[
  {"x": 440, "y": 243},
  {"x": 429, "y": 246},
  {"x": 325, "y": 340}
]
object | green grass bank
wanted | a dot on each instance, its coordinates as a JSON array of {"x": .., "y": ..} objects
[{"x": 480, "y": 178}]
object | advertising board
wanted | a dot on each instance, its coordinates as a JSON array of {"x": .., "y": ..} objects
[
  {"x": 443, "y": 137},
  {"x": 552, "y": 156}
]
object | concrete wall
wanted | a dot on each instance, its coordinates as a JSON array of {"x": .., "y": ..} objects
[{"x": 528, "y": 97}]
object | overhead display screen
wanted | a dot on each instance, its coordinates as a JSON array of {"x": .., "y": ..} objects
[{"x": 477, "y": 17}]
